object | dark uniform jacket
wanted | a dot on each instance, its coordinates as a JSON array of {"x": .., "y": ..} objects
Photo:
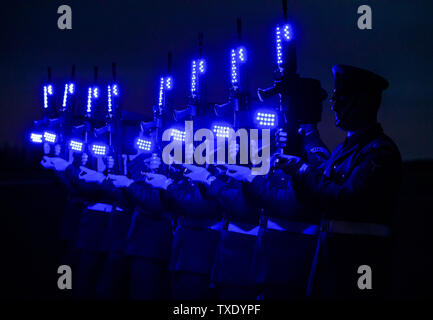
[
  {"x": 288, "y": 237},
  {"x": 150, "y": 231},
  {"x": 197, "y": 235},
  {"x": 236, "y": 249},
  {"x": 355, "y": 190}
]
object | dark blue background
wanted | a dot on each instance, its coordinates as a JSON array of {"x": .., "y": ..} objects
[{"x": 138, "y": 34}]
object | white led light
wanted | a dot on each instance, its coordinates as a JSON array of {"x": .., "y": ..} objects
[
  {"x": 76, "y": 145},
  {"x": 161, "y": 92},
  {"x": 178, "y": 135},
  {"x": 234, "y": 67},
  {"x": 168, "y": 83},
  {"x": 110, "y": 106},
  {"x": 50, "y": 89},
  {"x": 89, "y": 101},
  {"x": 286, "y": 35},
  {"x": 99, "y": 150},
  {"x": 50, "y": 137},
  {"x": 115, "y": 90},
  {"x": 95, "y": 92},
  {"x": 266, "y": 119},
  {"x": 194, "y": 77},
  {"x": 221, "y": 131},
  {"x": 65, "y": 95},
  {"x": 143, "y": 144},
  {"x": 36, "y": 137},
  {"x": 71, "y": 88}
]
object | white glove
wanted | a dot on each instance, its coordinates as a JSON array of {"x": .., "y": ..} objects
[
  {"x": 120, "y": 181},
  {"x": 158, "y": 180},
  {"x": 57, "y": 164},
  {"x": 197, "y": 174},
  {"x": 239, "y": 173},
  {"x": 89, "y": 175},
  {"x": 154, "y": 162}
]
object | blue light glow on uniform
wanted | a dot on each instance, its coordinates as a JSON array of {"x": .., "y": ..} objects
[
  {"x": 266, "y": 119},
  {"x": 178, "y": 135},
  {"x": 99, "y": 150},
  {"x": 143, "y": 144},
  {"x": 282, "y": 33},
  {"x": 76, "y": 145},
  {"x": 36, "y": 137},
  {"x": 48, "y": 91},
  {"x": 50, "y": 137}
]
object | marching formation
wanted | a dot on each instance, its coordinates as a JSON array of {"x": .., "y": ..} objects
[{"x": 146, "y": 220}]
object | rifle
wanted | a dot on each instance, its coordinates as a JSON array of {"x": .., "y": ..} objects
[
  {"x": 285, "y": 76},
  {"x": 238, "y": 98},
  {"x": 111, "y": 154}
]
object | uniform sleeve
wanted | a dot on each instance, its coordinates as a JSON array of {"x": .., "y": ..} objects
[
  {"x": 189, "y": 199},
  {"x": 315, "y": 150},
  {"x": 143, "y": 195},
  {"x": 89, "y": 190},
  {"x": 377, "y": 173},
  {"x": 274, "y": 193}
]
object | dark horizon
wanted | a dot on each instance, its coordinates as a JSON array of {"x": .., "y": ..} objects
[{"x": 137, "y": 36}]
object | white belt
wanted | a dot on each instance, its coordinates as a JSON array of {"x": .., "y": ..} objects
[
  {"x": 357, "y": 228},
  {"x": 252, "y": 232},
  {"x": 103, "y": 207}
]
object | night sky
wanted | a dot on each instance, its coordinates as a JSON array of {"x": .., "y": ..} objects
[{"x": 138, "y": 35}]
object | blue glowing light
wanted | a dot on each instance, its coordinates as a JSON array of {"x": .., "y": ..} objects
[
  {"x": 242, "y": 54},
  {"x": 266, "y": 119},
  {"x": 168, "y": 83},
  {"x": 143, "y": 144},
  {"x": 237, "y": 56},
  {"x": 221, "y": 131},
  {"x": 164, "y": 84},
  {"x": 177, "y": 135},
  {"x": 50, "y": 137},
  {"x": 161, "y": 92},
  {"x": 69, "y": 89},
  {"x": 198, "y": 66},
  {"x": 234, "y": 67},
  {"x": 282, "y": 33},
  {"x": 76, "y": 145},
  {"x": 202, "y": 65},
  {"x": 110, "y": 105},
  {"x": 48, "y": 91},
  {"x": 91, "y": 93},
  {"x": 89, "y": 100},
  {"x": 36, "y": 137},
  {"x": 115, "y": 90},
  {"x": 99, "y": 150},
  {"x": 194, "y": 77}
]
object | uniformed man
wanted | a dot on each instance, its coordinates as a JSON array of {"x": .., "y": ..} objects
[{"x": 354, "y": 190}]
